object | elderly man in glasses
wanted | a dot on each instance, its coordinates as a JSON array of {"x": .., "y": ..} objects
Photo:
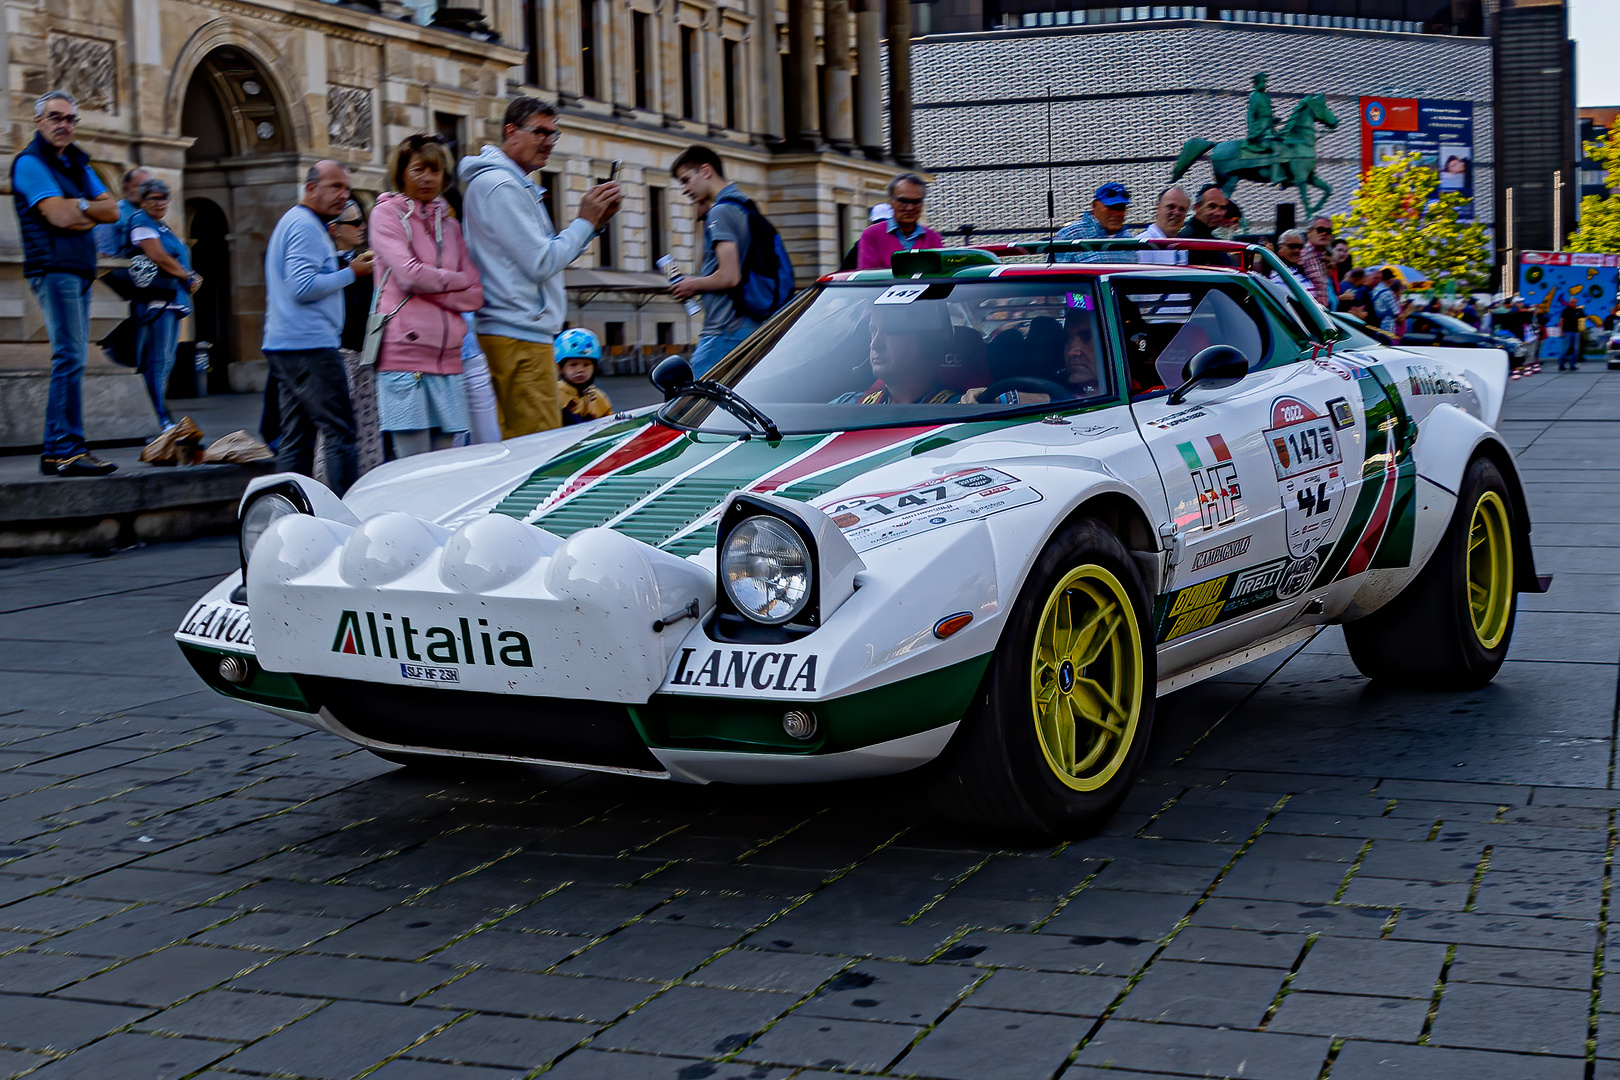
[
  {"x": 1315, "y": 260},
  {"x": 59, "y": 201},
  {"x": 1290, "y": 245},
  {"x": 902, "y": 232}
]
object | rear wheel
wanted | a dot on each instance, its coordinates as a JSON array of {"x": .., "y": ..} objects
[
  {"x": 1066, "y": 710},
  {"x": 1450, "y": 628}
]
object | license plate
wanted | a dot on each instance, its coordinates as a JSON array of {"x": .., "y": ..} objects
[
  {"x": 217, "y": 623},
  {"x": 423, "y": 673}
]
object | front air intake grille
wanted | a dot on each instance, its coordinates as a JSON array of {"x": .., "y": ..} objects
[{"x": 553, "y": 729}]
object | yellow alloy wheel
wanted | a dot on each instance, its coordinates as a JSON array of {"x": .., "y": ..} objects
[
  {"x": 1490, "y": 569},
  {"x": 1085, "y": 677}
]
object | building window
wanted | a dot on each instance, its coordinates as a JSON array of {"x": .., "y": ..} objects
[
  {"x": 844, "y": 217},
  {"x": 643, "y": 77},
  {"x": 548, "y": 181},
  {"x": 606, "y": 251},
  {"x": 531, "y": 47},
  {"x": 614, "y": 334},
  {"x": 689, "y": 72},
  {"x": 731, "y": 85},
  {"x": 665, "y": 333},
  {"x": 657, "y": 224},
  {"x": 587, "y": 47}
]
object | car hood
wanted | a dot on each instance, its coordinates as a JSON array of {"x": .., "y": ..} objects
[{"x": 657, "y": 484}]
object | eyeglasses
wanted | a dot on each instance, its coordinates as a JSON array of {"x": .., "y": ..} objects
[
  {"x": 1287, "y": 247},
  {"x": 907, "y": 202},
  {"x": 357, "y": 222},
  {"x": 1322, "y": 229},
  {"x": 68, "y": 119},
  {"x": 549, "y": 135}
]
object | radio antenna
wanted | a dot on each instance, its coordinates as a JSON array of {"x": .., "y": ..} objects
[{"x": 1051, "y": 202}]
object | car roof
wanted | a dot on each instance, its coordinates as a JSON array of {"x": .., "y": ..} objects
[{"x": 1058, "y": 271}]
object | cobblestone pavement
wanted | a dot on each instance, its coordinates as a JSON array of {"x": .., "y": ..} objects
[{"x": 1313, "y": 879}]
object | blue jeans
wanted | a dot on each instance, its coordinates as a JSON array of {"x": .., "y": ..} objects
[
  {"x": 313, "y": 393},
  {"x": 711, "y": 350},
  {"x": 156, "y": 335},
  {"x": 65, "y": 299}
]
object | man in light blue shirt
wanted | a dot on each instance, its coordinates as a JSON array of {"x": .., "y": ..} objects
[
  {"x": 113, "y": 237},
  {"x": 303, "y": 327}
]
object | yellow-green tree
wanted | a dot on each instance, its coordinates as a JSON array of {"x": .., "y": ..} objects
[
  {"x": 1397, "y": 217},
  {"x": 1600, "y": 214}
]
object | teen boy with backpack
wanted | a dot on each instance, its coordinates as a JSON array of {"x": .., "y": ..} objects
[{"x": 745, "y": 274}]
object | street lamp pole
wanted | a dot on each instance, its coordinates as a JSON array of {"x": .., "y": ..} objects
[
  {"x": 1558, "y": 209},
  {"x": 1508, "y": 283}
]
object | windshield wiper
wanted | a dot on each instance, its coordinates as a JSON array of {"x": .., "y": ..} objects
[
  {"x": 733, "y": 402},
  {"x": 673, "y": 376}
]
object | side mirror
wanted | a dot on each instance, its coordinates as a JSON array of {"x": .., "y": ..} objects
[
  {"x": 671, "y": 375},
  {"x": 1212, "y": 368}
]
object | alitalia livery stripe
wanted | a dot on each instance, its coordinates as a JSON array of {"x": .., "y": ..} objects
[
  {"x": 645, "y": 443},
  {"x": 850, "y": 446},
  {"x": 1362, "y": 553}
]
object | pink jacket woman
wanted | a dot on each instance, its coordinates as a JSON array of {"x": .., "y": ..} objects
[{"x": 422, "y": 264}]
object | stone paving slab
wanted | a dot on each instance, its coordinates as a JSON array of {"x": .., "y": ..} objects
[{"x": 1314, "y": 879}]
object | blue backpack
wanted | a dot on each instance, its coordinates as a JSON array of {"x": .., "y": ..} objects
[{"x": 767, "y": 273}]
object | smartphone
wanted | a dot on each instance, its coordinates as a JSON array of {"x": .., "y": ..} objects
[{"x": 613, "y": 171}]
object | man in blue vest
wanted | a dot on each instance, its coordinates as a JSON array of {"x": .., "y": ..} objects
[{"x": 59, "y": 200}]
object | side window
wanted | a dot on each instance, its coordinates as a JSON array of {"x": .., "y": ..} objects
[{"x": 1165, "y": 325}]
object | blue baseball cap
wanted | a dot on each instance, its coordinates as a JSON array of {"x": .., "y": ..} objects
[{"x": 1113, "y": 193}]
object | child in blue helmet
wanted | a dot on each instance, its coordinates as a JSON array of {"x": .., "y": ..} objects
[{"x": 577, "y": 352}]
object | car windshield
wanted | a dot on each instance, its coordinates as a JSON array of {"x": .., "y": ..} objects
[
  {"x": 862, "y": 355},
  {"x": 1449, "y": 324}
]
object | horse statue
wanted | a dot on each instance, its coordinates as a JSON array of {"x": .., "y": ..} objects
[{"x": 1291, "y": 161}]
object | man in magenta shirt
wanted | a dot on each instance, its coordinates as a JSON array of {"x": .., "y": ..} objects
[{"x": 904, "y": 232}]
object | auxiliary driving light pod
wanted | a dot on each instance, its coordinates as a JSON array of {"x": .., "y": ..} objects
[{"x": 799, "y": 723}]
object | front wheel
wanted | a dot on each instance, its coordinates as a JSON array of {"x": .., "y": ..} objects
[
  {"x": 1450, "y": 628},
  {"x": 1063, "y": 719}
]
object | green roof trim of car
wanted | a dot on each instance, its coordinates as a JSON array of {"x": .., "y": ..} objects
[{"x": 906, "y": 707}]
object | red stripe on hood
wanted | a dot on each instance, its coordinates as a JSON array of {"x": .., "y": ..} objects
[
  {"x": 845, "y": 447},
  {"x": 649, "y": 440}
]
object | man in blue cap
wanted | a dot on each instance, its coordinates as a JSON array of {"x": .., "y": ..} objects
[{"x": 1107, "y": 219}]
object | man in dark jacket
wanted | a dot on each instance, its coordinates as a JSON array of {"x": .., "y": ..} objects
[
  {"x": 1569, "y": 321},
  {"x": 1209, "y": 214},
  {"x": 59, "y": 200}
]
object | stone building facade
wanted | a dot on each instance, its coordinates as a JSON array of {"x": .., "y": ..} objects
[{"x": 230, "y": 101}]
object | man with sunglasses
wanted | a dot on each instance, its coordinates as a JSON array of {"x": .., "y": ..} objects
[
  {"x": 904, "y": 231},
  {"x": 520, "y": 257},
  {"x": 1313, "y": 259},
  {"x": 59, "y": 200}
]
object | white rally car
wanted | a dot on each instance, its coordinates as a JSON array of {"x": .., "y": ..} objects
[{"x": 971, "y": 514}]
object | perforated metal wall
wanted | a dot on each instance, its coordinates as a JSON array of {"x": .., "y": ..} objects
[{"x": 1123, "y": 101}]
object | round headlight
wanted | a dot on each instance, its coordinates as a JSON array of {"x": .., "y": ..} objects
[
  {"x": 261, "y": 514},
  {"x": 765, "y": 567}
]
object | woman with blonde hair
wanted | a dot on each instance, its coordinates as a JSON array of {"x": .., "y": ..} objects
[{"x": 425, "y": 283}]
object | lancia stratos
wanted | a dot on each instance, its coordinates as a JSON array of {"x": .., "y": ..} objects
[{"x": 971, "y": 516}]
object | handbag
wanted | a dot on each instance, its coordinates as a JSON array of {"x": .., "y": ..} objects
[{"x": 376, "y": 322}]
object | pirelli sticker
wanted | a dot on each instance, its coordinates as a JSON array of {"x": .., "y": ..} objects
[{"x": 1198, "y": 607}]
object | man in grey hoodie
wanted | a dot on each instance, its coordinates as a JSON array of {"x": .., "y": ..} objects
[{"x": 520, "y": 257}]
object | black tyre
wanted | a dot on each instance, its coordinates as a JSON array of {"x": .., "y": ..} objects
[
  {"x": 1450, "y": 628},
  {"x": 1063, "y": 719}
]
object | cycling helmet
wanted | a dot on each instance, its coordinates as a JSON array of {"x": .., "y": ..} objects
[{"x": 578, "y": 342}]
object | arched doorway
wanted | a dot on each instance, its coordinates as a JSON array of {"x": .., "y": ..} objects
[{"x": 240, "y": 174}]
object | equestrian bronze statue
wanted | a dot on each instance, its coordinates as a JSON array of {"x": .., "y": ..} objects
[{"x": 1271, "y": 153}]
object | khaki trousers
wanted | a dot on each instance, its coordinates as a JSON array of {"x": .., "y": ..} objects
[{"x": 525, "y": 379}]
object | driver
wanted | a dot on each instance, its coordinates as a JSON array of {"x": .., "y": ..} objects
[{"x": 907, "y": 350}]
